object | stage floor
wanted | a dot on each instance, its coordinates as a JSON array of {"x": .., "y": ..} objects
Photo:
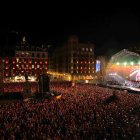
[{"x": 125, "y": 88}]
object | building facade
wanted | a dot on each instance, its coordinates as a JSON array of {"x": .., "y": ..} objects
[
  {"x": 27, "y": 60},
  {"x": 73, "y": 61}
]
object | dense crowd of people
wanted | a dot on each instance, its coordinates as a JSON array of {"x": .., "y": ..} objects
[
  {"x": 17, "y": 87},
  {"x": 80, "y": 113}
]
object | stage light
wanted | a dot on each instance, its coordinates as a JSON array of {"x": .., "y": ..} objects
[
  {"x": 125, "y": 63},
  {"x": 118, "y": 63},
  {"x": 132, "y": 63}
]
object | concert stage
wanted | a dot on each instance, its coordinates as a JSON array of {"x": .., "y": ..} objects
[
  {"x": 129, "y": 89},
  {"x": 123, "y": 71}
]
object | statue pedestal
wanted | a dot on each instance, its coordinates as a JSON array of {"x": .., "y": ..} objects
[{"x": 26, "y": 90}]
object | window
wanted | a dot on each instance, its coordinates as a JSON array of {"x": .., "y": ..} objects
[
  {"x": 38, "y": 55},
  {"x": 22, "y": 54},
  {"x": 22, "y": 48},
  {"x": 27, "y": 48},
  {"x": 74, "y": 66},
  {"x": 86, "y": 49},
  {"x": 17, "y": 47},
  {"x": 27, "y": 54},
  {"x": 43, "y": 55},
  {"x": 32, "y": 48},
  {"x": 91, "y": 49},
  {"x": 17, "y": 54},
  {"x": 33, "y": 54},
  {"x": 83, "y": 49}
]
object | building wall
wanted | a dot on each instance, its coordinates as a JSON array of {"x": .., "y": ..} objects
[
  {"x": 74, "y": 58},
  {"x": 27, "y": 59}
]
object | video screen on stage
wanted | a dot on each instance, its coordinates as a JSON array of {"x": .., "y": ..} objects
[{"x": 98, "y": 65}]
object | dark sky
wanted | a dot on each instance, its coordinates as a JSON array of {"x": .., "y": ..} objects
[{"x": 111, "y": 29}]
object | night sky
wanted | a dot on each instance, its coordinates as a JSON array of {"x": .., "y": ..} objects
[{"x": 110, "y": 29}]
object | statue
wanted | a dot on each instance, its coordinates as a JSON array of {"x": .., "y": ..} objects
[
  {"x": 26, "y": 77},
  {"x": 43, "y": 83},
  {"x": 26, "y": 85},
  {"x": 39, "y": 80}
]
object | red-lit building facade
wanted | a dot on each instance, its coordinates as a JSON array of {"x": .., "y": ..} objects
[
  {"x": 73, "y": 61},
  {"x": 27, "y": 59}
]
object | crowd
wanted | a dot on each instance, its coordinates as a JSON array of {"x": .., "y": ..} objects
[
  {"x": 17, "y": 87},
  {"x": 78, "y": 114}
]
